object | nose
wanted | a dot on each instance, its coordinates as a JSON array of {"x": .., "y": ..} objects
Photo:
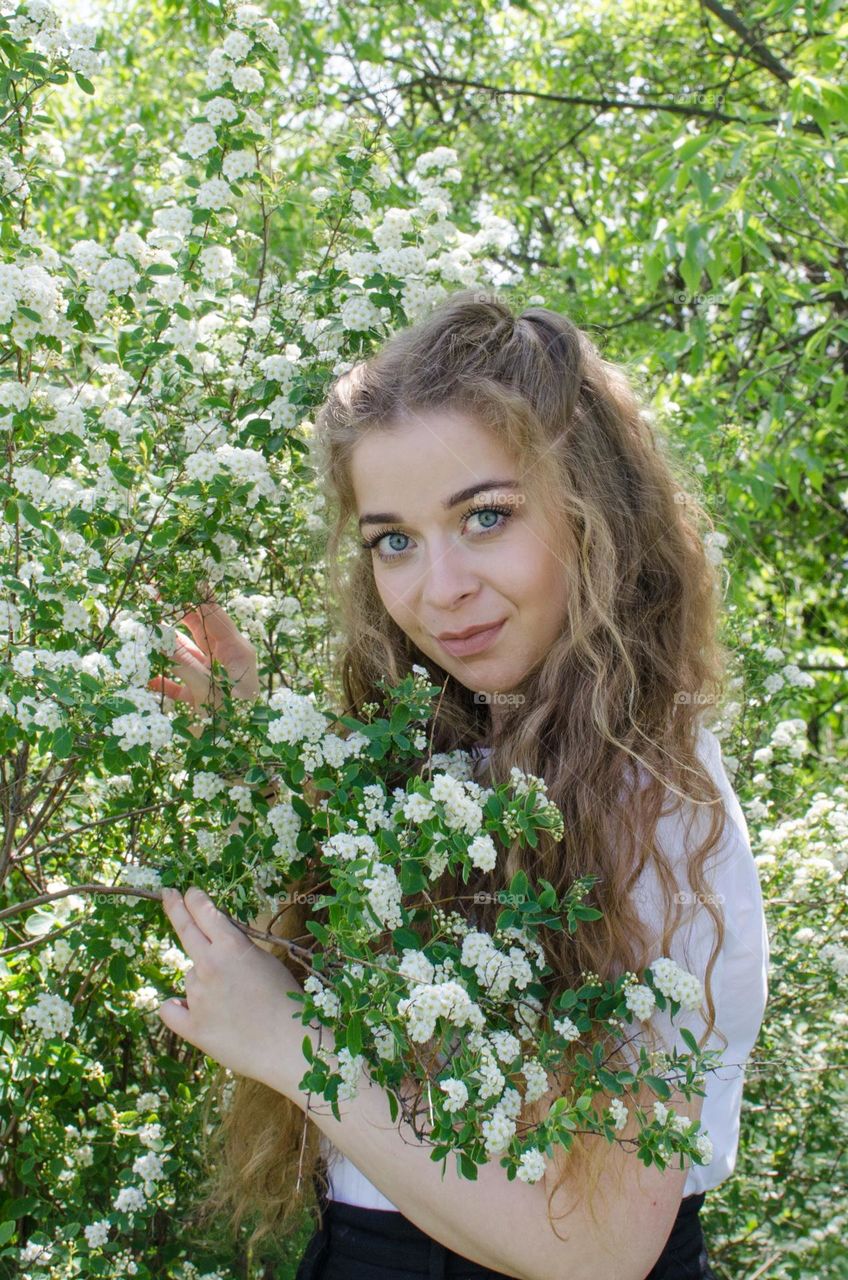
[{"x": 448, "y": 579}]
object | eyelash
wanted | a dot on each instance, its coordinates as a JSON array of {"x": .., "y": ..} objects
[{"x": 369, "y": 544}]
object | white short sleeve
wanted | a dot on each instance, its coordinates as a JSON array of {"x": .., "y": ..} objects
[{"x": 739, "y": 979}]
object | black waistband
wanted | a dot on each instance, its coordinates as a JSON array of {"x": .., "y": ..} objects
[
  {"x": 391, "y": 1222},
  {"x": 385, "y": 1237}
]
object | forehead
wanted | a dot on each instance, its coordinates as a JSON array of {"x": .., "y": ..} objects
[{"x": 427, "y": 455}]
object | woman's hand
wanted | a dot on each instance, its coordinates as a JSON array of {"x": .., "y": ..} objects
[
  {"x": 236, "y": 1007},
  {"x": 214, "y": 635}
]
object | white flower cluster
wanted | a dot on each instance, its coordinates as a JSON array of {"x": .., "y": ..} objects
[
  {"x": 415, "y": 967},
  {"x": 141, "y": 877},
  {"x": 384, "y": 895},
  {"x": 384, "y": 1041},
  {"x": 837, "y": 957},
  {"x": 529, "y": 944},
  {"x": 528, "y": 1014},
  {"x": 505, "y": 1045},
  {"x": 640, "y": 1000},
  {"x": 417, "y": 808},
  {"x": 791, "y": 736},
  {"x": 677, "y": 983},
  {"x": 150, "y": 1167},
  {"x": 38, "y": 22},
  {"x": 35, "y": 1252},
  {"x": 347, "y": 846},
  {"x": 50, "y": 1014},
  {"x": 325, "y": 999},
  {"x": 300, "y": 721},
  {"x": 150, "y": 1101},
  {"x": 206, "y": 785},
  {"x": 488, "y": 1074},
  {"x": 462, "y": 812},
  {"x": 566, "y": 1028},
  {"x": 28, "y": 285},
  {"x": 350, "y": 1070},
  {"x": 374, "y": 809},
  {"x": 498, "y": 1128},
  {"x": 537, "y": 1080},
  {"x": 495, "y": 969},
  {"x": 286, "y": 824},
  {"x": 129, "y": 1200},
  {"x": 429, "y": 1001},
  {"x": 531, "y": 1166},
  {"x": 457, "y": 1092},
  {"x": 483, "y": 853},
  {"x": 147, "y": 725},
  {"x": 333, "y": 750},
  {"x": 97, "y": 1233},
  {"x": 619, "y": 1113},
  {"x": 714, "y": 545}
]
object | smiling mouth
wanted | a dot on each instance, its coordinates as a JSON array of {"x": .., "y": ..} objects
[{"x": 474, "y": 643}]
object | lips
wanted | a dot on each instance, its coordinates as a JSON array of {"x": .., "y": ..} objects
[
  {"x": 469, "y": 631},
  {"x": 474, "y": 640}
]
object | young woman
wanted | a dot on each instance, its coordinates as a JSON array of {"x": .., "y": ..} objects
[{"x": 526, "y": 537}]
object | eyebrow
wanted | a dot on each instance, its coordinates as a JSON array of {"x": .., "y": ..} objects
[{"x": 391, "y": 517}]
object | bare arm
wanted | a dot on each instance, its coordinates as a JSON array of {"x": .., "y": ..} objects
[{"x": 500, "y": 1224}]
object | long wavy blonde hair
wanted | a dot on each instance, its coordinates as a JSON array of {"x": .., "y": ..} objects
[{"x": 609, "y": 717}]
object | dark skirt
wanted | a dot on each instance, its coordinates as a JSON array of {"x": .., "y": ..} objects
[{"x": 379, "y": 1244}]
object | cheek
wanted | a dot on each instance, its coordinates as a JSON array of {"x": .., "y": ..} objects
[
  {"x": 541, "y": 577},
  {"x": 391, "y": 592}
]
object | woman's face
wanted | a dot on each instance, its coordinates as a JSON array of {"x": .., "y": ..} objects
[{"x": 447, "y": 569}]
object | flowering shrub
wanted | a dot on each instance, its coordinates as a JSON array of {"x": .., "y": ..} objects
[
  {"x": 396, "y": 1005},
  {"x": 175, "y": 296}
]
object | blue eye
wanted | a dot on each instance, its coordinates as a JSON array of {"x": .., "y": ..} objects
[{"x": 371, "y": 544}]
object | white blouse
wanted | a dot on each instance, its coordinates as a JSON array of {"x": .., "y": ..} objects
[{"x": 739, "y": 980}]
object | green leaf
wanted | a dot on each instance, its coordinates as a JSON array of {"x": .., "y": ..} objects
[
  {"x": 63, "y": 742},
  {"x": 84, "y": 83},
  {"x": 401, "y": 716},
  {"x": 519, "y": 886},
  {"x": 609, "y": 1081},
  {"x": 29, "y": 513},
  {"x": 658, "y": 1085},
  {"x": 308, "y": 1049},
  {"x": 688, "y": 1039},
  {"x": 354, "y": 1034}
]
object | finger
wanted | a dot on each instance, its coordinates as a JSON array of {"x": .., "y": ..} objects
[
  {"x": 193, "y": 938},
  {"x": 176, "y": 1016},
  {"x": 217, "y": 634},
  {"x": 184, "y": 644},
  {"x": 193, "y": 672},
  {"x": 214, "y": 923},
  {"x": 212, "y": 627},
  {"x": 170, "y": 688}
]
